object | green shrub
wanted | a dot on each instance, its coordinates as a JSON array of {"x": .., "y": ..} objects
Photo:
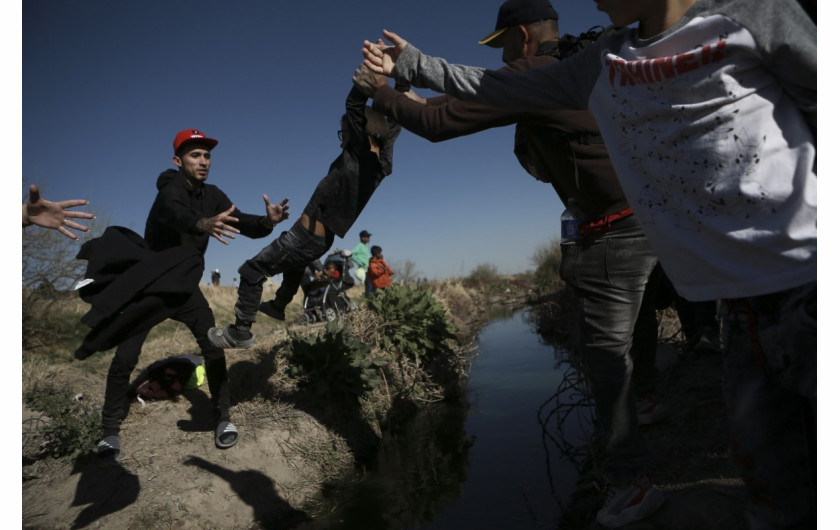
[
  {"x": 334, "y": 363},
  {"x": 72, "y": 426},
  {"x": 499, "y": 286},
  {"x": 414, "y": 323},
  {"x": 547, "y": 259},
  {"x": 483, "y": 274}
]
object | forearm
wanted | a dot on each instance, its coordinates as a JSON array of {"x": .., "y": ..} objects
[
  {"x": 548, "y": 87},
  {"x": 444, "y": 119},
  {"x": 354, "y": 112},
  {"x": 253, "y": 226}
]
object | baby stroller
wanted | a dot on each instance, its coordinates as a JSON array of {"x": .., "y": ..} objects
[{"x": 324, "y": 288}]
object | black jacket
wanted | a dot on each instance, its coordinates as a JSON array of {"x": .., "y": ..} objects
[
  {"x": 132, "y": 288},
  {"x": 140, "y": 282},
  {"x": 177, "y": 207},
  {"x": 341, "y": 196}
]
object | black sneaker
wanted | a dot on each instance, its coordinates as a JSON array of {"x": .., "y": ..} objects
[{"x": 270, "y": 309}]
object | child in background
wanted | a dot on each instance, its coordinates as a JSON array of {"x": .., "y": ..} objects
[{"x": 378, "y": 271}]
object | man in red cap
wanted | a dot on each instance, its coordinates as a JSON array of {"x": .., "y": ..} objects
[{"x": 186, "y": 213}]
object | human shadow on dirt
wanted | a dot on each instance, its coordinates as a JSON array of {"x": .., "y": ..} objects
[
  {"x": 106, "y": 486},
  {"x": 201, "y": 412},
  {"x": 247, "y": 380},
  {"x": 257, "y": 490},
  {"x": 250, "y": 380}
]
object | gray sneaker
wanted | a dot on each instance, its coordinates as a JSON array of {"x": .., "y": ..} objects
[
  {"x": 109, "y": 448},
  {"x": 226, "y": 434},
  {"x": 230, "y": 337}
]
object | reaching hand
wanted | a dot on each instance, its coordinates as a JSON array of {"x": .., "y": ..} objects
[
  {"x": 216, "y": 226},
  {"x": 380, "y": 58},
  {"x": 48, "y": 214},
  {"x": 276, "y": 212},
  {"x": 367, "y": 81}
]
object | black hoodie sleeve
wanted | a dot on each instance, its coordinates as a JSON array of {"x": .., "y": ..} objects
[{"x": 249, "y": 225}]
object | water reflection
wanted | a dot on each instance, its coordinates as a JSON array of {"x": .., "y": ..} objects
[
  {"x": 418, "y": 471},
  {"x": 508, "y": 458}
]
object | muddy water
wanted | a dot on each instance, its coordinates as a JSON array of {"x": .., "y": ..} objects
[{"x": 497, "y": 461}]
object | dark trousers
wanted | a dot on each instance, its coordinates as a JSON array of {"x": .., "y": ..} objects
[
  {"x": 646, "y": 339},
  {"x": 608, "y": 274},
  {"x": 198, "y": 317},
  {"x": 289, "y": 254},
  {"x": 770, "y": 385}
]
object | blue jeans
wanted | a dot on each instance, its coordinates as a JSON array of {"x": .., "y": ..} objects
[
  {"x": 771, "y": 390},
  {"x": 608, "y": 274},
  {"x": 289, "y": 254}
]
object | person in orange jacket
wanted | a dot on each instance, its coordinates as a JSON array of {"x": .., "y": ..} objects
[{"x": 379, "y": 271}]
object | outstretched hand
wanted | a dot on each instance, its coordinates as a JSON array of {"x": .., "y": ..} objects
[
  {"x": 217, "y": 225},
  {"x": 276, "y": 212},
  {"x": 367, "y": 81},
  {"x": 381, "y": 58},
  {"x": 48, "y": 214}
]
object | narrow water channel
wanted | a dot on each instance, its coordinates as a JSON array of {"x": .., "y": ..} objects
[{"x": 488, "y": 463}]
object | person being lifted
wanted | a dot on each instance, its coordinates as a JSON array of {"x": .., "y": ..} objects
[{"x": 367, "y": 146}]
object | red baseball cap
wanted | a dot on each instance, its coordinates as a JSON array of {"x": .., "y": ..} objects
[{"x": 193, "y": 135}]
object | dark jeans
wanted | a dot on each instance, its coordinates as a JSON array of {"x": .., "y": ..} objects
[
  {"x": 198, "y": 317},
  {"x": 770, "y": 344},
  {"x": 289, "y": 254},
  {"x": 646, "y": 376},
  {"x": 369, "y": 288},
  {"x": 608, "y": 274}
]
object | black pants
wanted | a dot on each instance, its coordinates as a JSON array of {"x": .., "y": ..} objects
[{"x": 198, "y": 317}]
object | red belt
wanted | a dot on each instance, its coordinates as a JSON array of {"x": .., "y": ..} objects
[{"x": 604, "y": 223}]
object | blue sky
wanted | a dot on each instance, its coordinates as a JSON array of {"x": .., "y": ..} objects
[{"x": 106, "y": 85}]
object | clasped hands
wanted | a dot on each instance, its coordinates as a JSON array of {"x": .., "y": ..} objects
[
  {"x": 381, "y": 58},
  {"x": 379, "y": 61}
]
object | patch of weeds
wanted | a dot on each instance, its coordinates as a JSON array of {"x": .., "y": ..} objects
[
  {"x": 333, "y": 363},
  {"x": 499, "y": 286},
  {"x": 72, "y": 426},
  {"x": 414, "y": 323},
  {"x": 483, "y": 274}
]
